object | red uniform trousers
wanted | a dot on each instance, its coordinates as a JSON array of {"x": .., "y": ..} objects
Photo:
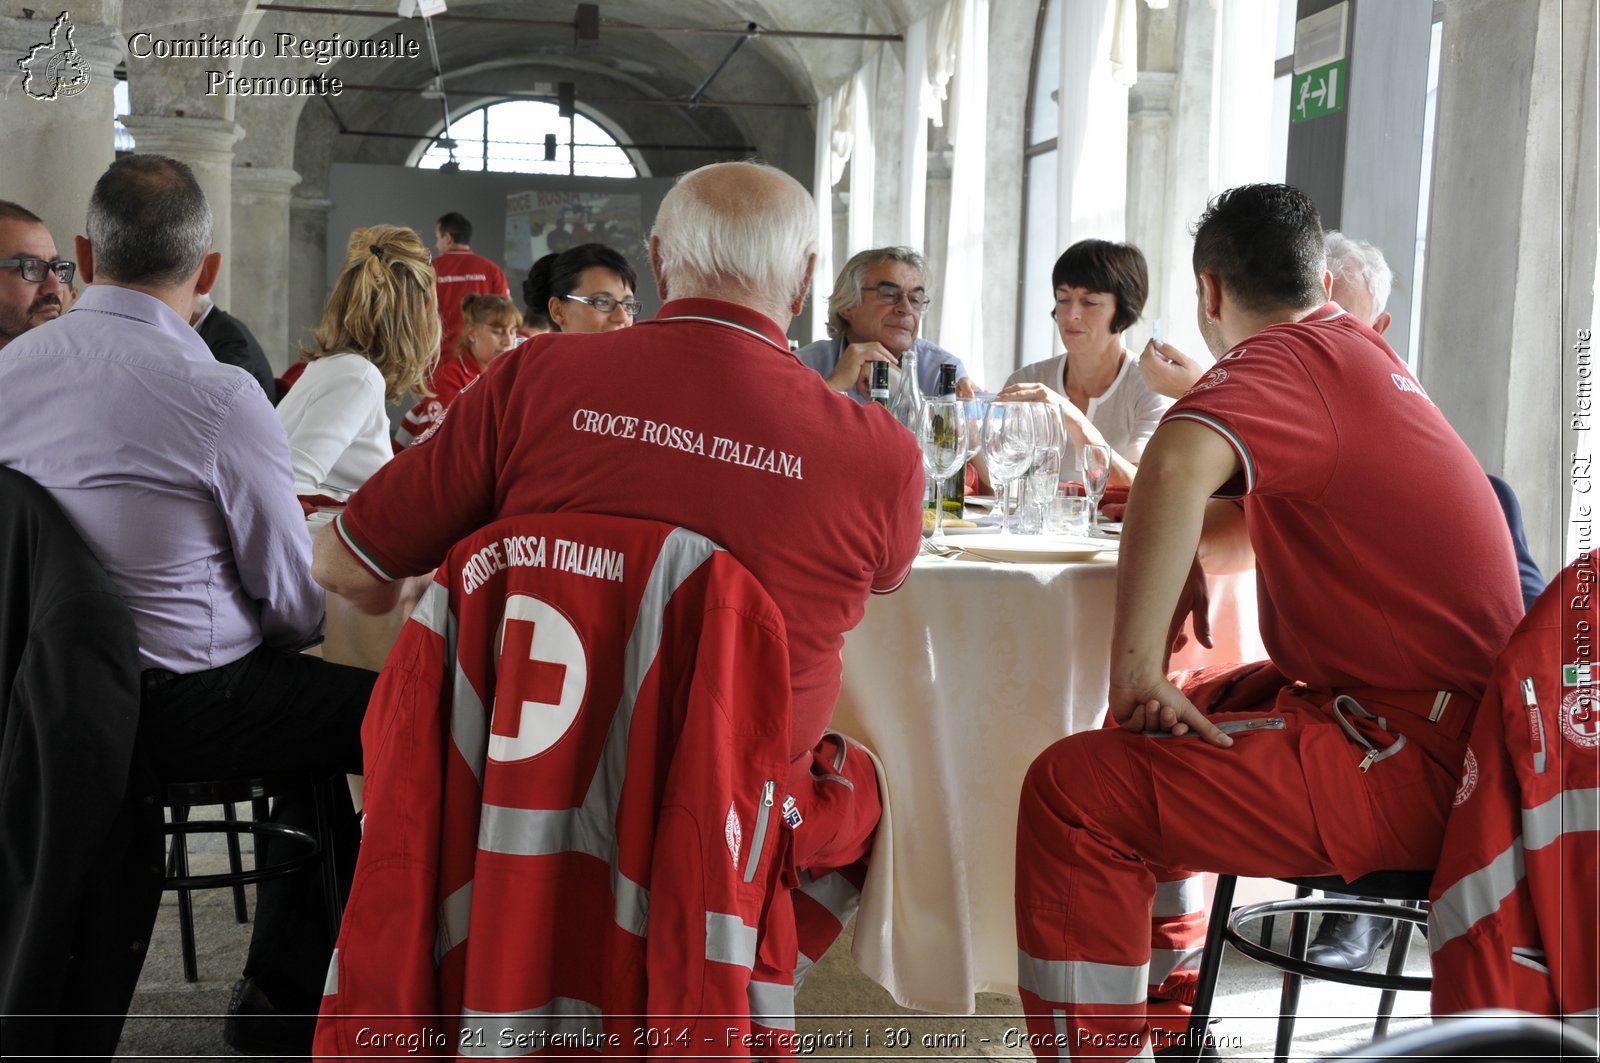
[
  {"x": 1113, "y": 826},
  {"x": 836, "y": 791}
]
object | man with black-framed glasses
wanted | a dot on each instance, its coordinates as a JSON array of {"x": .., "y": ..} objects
[
  {"x": 32, "y": 278},
  {"x": 874, "y": 315}
]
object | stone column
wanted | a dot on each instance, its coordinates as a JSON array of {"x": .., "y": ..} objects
[
  {"x": 261, "y": 266},
  {"x": 1493, "y": 346},
  {"x": 308, "y": 273},
  {"x": 1189, "y": 159},
  {"x": 206, "y": 144},
  {"x": 56, "y": 149},
  {"x": 1149, "y": 127}
]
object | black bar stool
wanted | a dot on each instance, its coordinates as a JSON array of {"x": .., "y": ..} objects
[
  {"x": 307, "y": 850},
  {"x": 1409, "y": 891}
]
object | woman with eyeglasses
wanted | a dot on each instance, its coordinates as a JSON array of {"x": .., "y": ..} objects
[
  {"x": 1100, "y": 290},
  {"x": 378, "y": 339},
  {"x": 587, "y": 288}
]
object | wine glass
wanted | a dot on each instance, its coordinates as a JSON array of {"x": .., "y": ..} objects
[
  {"x": 1044, "y": 472},
  {"x": 1007, "y": 447},
  {"x": 1096, "y": 474},
  {"x": 942, "y": 435}
]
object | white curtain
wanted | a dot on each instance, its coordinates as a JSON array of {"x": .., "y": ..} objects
[
  {"x": 961, "y": 292},
  {"x": 1092, "y": 163},
  {"x": 914, "y": 140},
  {"x": 822, "y": 189},
  {"x": 1241, "y": 92},
  {"x": 863, "y": 159}
]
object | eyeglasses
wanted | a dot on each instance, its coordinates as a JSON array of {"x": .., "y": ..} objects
[
  {"x": 605, "y": 304},
  {"x": 890, "y": 294},
  {"x": 33, "y": 269}
]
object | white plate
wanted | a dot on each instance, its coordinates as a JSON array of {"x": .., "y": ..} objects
[
  {"x": 980, "y": 501},
  {"x": 1035, "y": 548},
  {"x": 928, "y": 532}
]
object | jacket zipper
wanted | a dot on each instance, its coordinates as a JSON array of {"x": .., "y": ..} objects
[{"x": 762, "y": 816}]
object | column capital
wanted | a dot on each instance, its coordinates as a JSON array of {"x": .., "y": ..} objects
[
  {"x": 1151, "y": 95},
  {"x": 263, "y": 181},
  {"x": 311, "y": 204},
  {"x": 100, "y": 48},
  {"x": 209, "y": 140}
]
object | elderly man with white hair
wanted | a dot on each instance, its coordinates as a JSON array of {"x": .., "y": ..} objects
[{"x": 702, "y": 419}]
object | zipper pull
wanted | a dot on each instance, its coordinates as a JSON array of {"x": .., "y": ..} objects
[
  {"x": 1366, "y": 761},
  {"x": 766, "y": 793}
]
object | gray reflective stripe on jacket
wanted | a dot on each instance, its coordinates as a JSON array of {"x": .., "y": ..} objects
[
  {"x": 771, "y": 1004},
  {"x": 1479, "y": 895},
  {"x": 562, "y": 1023}
]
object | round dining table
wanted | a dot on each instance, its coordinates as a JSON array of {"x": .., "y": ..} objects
[{"x": 956, "y": 682}]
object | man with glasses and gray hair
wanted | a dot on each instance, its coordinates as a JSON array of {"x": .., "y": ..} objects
[
  {"x": 33, "y": 281},
  {"x": 874, "y": 315}
]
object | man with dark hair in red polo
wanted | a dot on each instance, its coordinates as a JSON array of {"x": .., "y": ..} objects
[
  {"x": 702, "y": 419},
  {"x": 1387, "y": 587},
  {"x": 459, "y": 272}
]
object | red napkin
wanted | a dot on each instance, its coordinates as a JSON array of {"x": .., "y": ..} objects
[
  {"x": 1114, "y": 503},
  {"x": 309, "y": 504}
]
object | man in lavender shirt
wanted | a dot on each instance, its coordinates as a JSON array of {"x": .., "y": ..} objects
[{"x": 175, "y": 469}]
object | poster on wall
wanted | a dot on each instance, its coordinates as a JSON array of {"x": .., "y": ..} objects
[{"x": 538, "y": 223}]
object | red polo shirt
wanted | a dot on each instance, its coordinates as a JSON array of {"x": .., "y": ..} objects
[
  {"x": 1382, "y": 556},
  {"x": 460, "y": 274},
  {"x": 701, "y": 418}
]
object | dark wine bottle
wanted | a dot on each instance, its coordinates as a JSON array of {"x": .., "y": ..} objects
[
  {"x": 955, "y": 488},
  {"x": 880, "y": 383}
]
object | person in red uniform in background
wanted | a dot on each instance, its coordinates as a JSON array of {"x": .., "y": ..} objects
[
  {"x": 490, "y": 324},
  {"x": 700, "y": 418},
  {"x": 1387, "y": 585},
  {"x": 460, "y": 272}
]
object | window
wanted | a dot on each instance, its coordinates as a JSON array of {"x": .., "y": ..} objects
[
  {"x": 122, "y": 139},
  {"x": 512, "y": 137}
]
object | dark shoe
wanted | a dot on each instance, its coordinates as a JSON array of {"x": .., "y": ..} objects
[
  {"x": 1350, "y": 942},
  {"x": 255, "y": 1028}
]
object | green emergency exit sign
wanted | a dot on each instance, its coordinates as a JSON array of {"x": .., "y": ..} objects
[{"x": 1319, "y": 92}]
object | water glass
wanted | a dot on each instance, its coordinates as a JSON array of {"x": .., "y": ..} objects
[{"x": 1068, "y": 515}]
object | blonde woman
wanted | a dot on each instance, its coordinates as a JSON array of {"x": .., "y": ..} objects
[
  {"x": 489, "y": 326},
  {"x": 378, "y": 339}
]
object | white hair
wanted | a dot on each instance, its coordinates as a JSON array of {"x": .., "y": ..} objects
[
  {"x": 758, "y": 238},
  {"x": 1357, "y": 262}
]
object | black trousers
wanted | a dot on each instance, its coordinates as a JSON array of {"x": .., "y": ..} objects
[{"x": 271, "y": 712}]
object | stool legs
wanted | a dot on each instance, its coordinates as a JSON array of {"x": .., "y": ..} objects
[
  {"x": 1211, "y": 961},
  {"x": 1289, "y": 1002},
  {"x": 240, "y": 913},
  {"x": 178, "y": 867},
  {"x": 1397, "y": 964}
]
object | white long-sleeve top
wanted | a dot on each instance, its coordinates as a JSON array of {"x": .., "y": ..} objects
[{"x": 338, "y": 430}]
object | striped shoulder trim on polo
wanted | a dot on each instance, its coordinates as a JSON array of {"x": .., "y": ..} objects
[
  {"x": 360, "y": 552},
  {"x": 1232, "y": 438},
  {"x": 757, "y": 333}
]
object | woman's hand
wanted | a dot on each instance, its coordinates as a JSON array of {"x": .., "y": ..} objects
[
  {"x": 1079, "y": 428},
  {"x": 1159, "y": 706}
]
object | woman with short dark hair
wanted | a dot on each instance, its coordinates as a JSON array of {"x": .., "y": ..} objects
[
  {"x": 587, "y": 288},
  {"x": 1100, "y": 289}
]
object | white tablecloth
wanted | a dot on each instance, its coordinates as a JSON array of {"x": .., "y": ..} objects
[{"x": 957, "y": 681}]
